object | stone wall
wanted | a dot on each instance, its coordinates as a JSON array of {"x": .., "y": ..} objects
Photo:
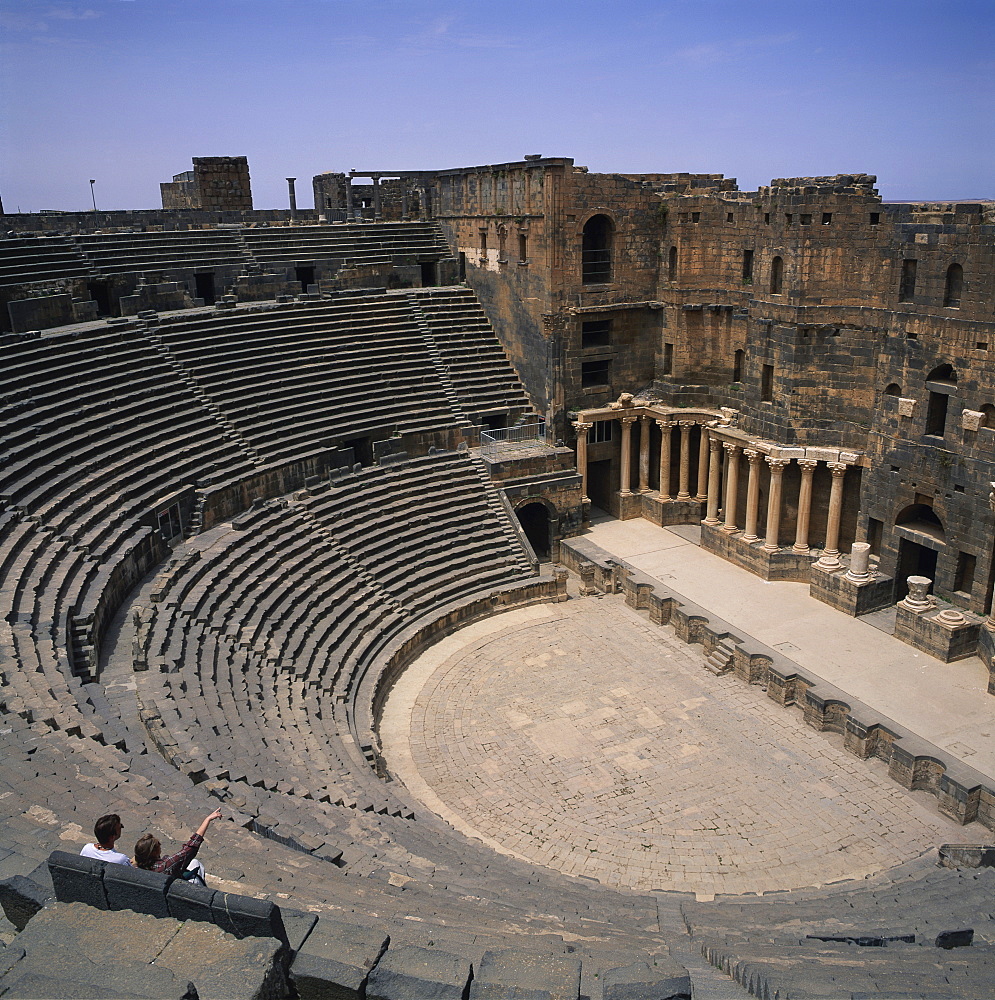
[{"x": 216, "y": 184}]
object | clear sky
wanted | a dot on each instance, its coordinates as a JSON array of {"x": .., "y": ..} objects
[{"x": 128, "y": 91}]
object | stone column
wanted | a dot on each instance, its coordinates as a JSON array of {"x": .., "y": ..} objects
[
  {"x": 752, "y": 495},
  {"x": 376, "y": 198},
  {"x": 685, "y": 468},
  {"x": 860, "y": 555},
  {"x": 666, "y": 426},
  {"x": 807, "y": 466},
  {"x": 582, "y": 428},
  {"x": 404, "y": 200},
  {"x": 626, "y": 477},
  {"x": 830, "y": 558},
  {"x": 293, "y": 198},
  {"x": 702, "y": 465},
  {"x": 644, "y": 454},
  {"x": 714, "y": 478},
  {"x": 348, "y": 198},
  {"x": 732, "y": 485},
  {"x": 777, "y": 467}
]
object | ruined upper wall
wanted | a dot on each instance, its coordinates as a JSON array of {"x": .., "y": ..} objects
[{"x": 216, "y": 183}]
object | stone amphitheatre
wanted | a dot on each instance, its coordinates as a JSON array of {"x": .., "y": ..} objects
[{"x": 568, "y": 585}]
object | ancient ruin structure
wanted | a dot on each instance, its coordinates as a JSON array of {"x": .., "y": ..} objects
[
  {"x": 259, "y": 467},
  {"x": 216, "y": 183}
]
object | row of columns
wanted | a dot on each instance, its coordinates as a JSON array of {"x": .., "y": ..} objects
[
  {"x": 377, "y": 213},
  {"x": 711, "y": 466}
]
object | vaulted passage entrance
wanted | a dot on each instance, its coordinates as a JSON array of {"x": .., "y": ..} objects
[{"x": 534, "y": 519}]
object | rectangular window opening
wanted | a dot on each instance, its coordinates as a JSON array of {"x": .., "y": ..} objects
[
  {"x": 767, "y": 384},
  {"x": 668, "y": 359},
  {"x": 875, "y": 218},
  {"x": 595, "y": 373},
  {"x": 827, "y": 218},
  {"x": 696, "y": 216},
  {"x": 907, "y": 285},
  {"x": 747, "y": 265},
  {"x": 806, "y": 219},
  {"x": 596, "y": 333}
]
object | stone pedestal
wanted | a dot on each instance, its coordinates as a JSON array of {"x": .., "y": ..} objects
[
  {"x": 780, "y": 564},
  {"x": 947, "y": 634},
  {"x": 671, "y": 511},
  {"x": 835, "y": 588}
]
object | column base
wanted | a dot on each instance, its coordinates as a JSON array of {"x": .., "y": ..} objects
[
  {"x": 779, "y": 564},
  {"x": 947, "y": 641},
  {"x": 835, "y": 588},
  {"x": 670, "y": 511}
]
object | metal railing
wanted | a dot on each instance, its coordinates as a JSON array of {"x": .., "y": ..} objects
[{"x": 502, "y": 439}]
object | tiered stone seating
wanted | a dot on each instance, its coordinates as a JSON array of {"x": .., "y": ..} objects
[
  {"x": 40, "y": 258},
  {"x": 295, "y": 380},
  {"x": 474, "y": 359},
  {"x": 243, "y": 658},
  {"x": 99, "y": 429},
  {"x": 379, "y": 243},
  {"x": 889, "y": 936},
  {"x": 117, "y": 253}
]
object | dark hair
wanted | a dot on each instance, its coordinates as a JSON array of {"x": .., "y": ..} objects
[
  {"x": 106, "y": 827},
  {"x": 147, "y": 851}
]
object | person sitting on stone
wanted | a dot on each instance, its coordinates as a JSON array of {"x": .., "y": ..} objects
[
  {"x": 182, "y": 864},
  {"x": 107, "y": 829}
]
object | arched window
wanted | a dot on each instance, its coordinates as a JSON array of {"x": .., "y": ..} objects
[
  {"x": 776, "y": 275},
  {"x": 954, "y": 287},
  {"x": 893, "y": 390},
  {"x": 672, "y": 265},
  {"x": 596, "y": 256}
]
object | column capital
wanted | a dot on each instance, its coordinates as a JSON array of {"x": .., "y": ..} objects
[
  {"x": 692, "y": 423},
  {"x": 582, "y": 426},
  {"x": 753, "y": 456},
  {"x": 777, "y": 465},
  {"x": 714, "y": 443},
  {"x": 627, "y": 421},
  {"x": 838, "y": 469},
  {"x": 731, "y": 447},
  {"x": 665, "y": 425},
  {"x": 807, "y": 465}
]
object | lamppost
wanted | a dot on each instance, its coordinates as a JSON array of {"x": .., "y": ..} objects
[{"x": 93, "y": 197}]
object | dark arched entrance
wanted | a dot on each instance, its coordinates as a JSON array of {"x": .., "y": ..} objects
[{"x": 534, "y": 519}]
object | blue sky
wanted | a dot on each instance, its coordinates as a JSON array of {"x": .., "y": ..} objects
[{"x": 127, "y": 91}]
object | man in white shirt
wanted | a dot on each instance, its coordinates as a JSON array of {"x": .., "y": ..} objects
[{"x": 107, "y": 829}]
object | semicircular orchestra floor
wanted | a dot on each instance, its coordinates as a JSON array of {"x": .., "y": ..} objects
[{"x": 581, "y": 737}]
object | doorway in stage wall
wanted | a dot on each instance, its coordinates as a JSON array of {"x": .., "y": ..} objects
[
  {"x": 913, "y": 560},
  {"x": 599, "y": 484}
]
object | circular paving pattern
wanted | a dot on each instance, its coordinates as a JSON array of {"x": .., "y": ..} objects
[{"x": 583, "y": 738}]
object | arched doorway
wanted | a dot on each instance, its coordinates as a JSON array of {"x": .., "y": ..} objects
[
  {"x": 534, "y": 519},
  {"x": 921, "y": 536}
]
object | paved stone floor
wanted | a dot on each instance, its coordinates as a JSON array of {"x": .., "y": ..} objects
[{"x": 583, "y": 738}]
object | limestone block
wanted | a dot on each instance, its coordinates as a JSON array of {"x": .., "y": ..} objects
[
  {"x": 906, "y": 407},
  {"x": 849, "y": 457},
  {"x": 822, "y": 454},
  {"x": 971, "y": 420},
  {"x": 788, "y": 453}
]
